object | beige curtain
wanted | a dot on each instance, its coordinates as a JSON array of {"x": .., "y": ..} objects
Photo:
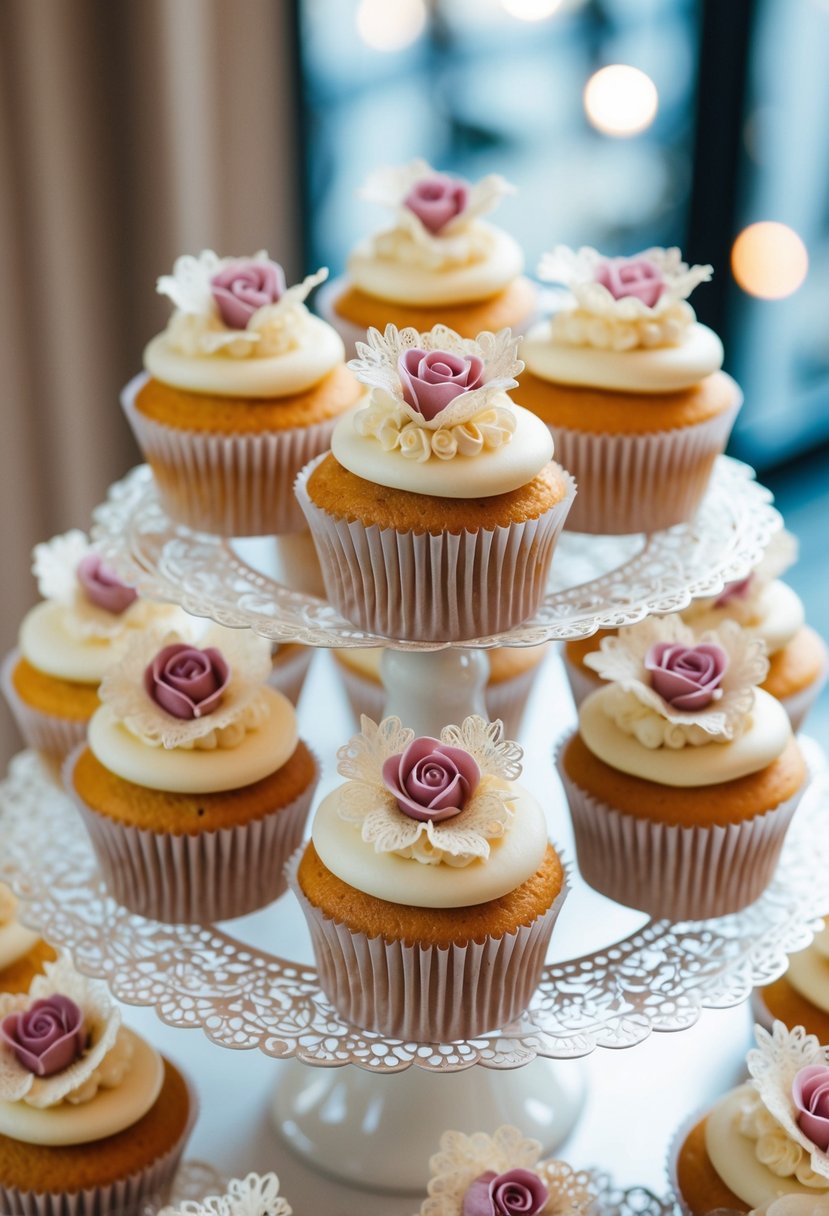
[{"x": 130, "y": 131}]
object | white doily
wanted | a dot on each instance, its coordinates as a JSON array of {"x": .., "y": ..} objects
[{"x": 255, "y": 1195}]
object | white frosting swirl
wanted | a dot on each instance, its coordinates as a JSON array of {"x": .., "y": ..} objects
[
  {"x": 764, "y": 739},
  {"x": 15, "y": 941},
  {"x": 491, "y": 471},
  {"x": 110, "y": 1111},
  {"x": 513, "y": 858},
  {"x": 648, "y": 727},
  {"x": 394, "y": 430},
  {"x": 473, "y": 263},
  {"x": 660, "y": 369},
  {"x": 775, "y": 614},
  {"x": 808, "y": 971},
  {"x": 193, "y": 771}
]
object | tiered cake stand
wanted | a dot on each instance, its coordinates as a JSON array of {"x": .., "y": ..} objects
[{"x": 250, "y": 985}]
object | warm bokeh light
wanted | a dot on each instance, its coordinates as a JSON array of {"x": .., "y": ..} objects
[
  {"x": 620, "y": 100},
  {"x": 769, "y": 260},
  {"x": 531, "y": 10},
  {"x": 390, "y": 26}
]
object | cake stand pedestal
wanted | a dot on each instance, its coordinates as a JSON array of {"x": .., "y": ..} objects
[{"x": 353, "y": 1125}]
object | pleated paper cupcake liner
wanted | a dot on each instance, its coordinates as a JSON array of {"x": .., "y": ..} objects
[
  {"x": 229, "y": 485},
  {"x": 196, "y": 879},
  {"x": 128, "y": 1196},
  {"x": 290, "y": 669},
  {"x": 640, "y": 483},
  {"x": 46, "y": 732},
  {"x": 581, "y": 684},
  {"x": 671, "y": 872},
  {"x": 427, "y": 994},
  {"x": 445, "y": 588},
  {"x": 799, "y": 703},
  {"x": 672, "y": 1157}
]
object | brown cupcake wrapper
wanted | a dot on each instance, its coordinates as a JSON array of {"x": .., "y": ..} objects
[
  {"x": 426, "y": 994},
  {"x": 445, "y": 588},
  {"x": 670, "y": 872},
  {"x": 45, "y": 732},
  {"x": 581, "y": 685},
  {"x": 144, "y": 1190},
  {"x": 640, "y": 483},
  {"x": 289, "y": 673},
  {"x": 229, "y": 485},
  {"x": 199, "y": 879}
]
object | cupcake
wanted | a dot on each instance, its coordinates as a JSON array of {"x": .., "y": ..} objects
[
  {"x": 503, "y": 1175},
  {"x": 439, "y": 263},
  {"x": 240, "y": 391},
  {"x": 66, "y": 642},
  {"x": 630, "y": 386},
  {"x": 290, "y": 663},
  {"x": 436, "y": 513},
  {"x": 800, "y": 997},
  {"x": 683, "y": 776},
  {"x": 255, "y": 1195},
  {"x": 429, "y": 885},
  {"x": 765, "y": 1142},
  {"x": 92, "y": 1118},
  {"x": 512, "y": 672},
  {"x": 22, "y": 953},
  {"x": 193, "y": 786}
]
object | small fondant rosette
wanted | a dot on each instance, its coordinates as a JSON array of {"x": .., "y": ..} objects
[
  {"x": 440, "y": 262},
  {"x": 240, "y": 391},
  {"x": 254, "y": 1195},
  {"x": 800, "y": 997},
  {"x": 429, "y": 885},
  {"x": 92, "y": 1119},
  {"x": 194, "y": 786},
  {"x": 764, "y": 1147},
  {"x": 630, "y": 385},
  {"x": 22, "y": 953},
  {"x": 436, "y": 513},
  {"x": 86, "y": 617},
  {"x": 683, "y": 776},
  {"x": 503, "y": 1175}
]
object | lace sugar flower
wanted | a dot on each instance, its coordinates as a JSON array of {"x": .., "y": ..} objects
[
  {"x": 61, "y": 1042},
  {"x": 438, "y": 205},
  {"x": 790, "y": 1070},
  {"x": 255, "y": 1195},
  {"x": 98, "y": 604},
  {"x": 502, "y": 1175},
  {"x": 432, "y": 800},
  {"x": 702, "y": 687}
]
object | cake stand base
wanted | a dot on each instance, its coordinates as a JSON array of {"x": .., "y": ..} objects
[
  {"x": 430, "y": 689},
  {"x": 378, "y": 1132}
]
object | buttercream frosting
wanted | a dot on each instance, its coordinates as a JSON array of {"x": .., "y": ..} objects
[
  {"x": 49, "y": 639},
  {"x": 513, "y": 858},
  {"x": 107, "y": 1113},
  {"x": 774, "y": 614},
  {"x": 15, "y": 941},
  {"x": 808, "y": 971},
  {"x": 764, "y": 739}
]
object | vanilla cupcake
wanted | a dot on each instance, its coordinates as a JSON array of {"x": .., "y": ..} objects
[
  {"x": 429, "y": 885},
  {"x": 194, "y": 786},
  {"x": 764, "y": 1146},
  {"x": 440, "y": 262},
  {"x": 511, "y": 674},
  {"x": 437, "y": 511},
  {"x": 800, "y": 997},
  {"x": 239, "y": 392},
  {"x": 22, "y": 953},
  {"x": 67, "y": 642},
  {"x": 92, "y": 1118},
  {"x": 683, "y": 775},
  {"x": 503, "y": 1175},
  {"x": 630, "y": 386},
  {"x": 254, "y": 1195}
]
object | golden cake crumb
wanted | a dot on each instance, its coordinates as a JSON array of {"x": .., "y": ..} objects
[
  {"x": 700, "y": 1185},
  {"x": 783, "y": 1001},
  {"x": 796, "y": 665},
  {"x": 60, "y": 698},
  {"x": 18, "y": 976},
  {"x": 506, "y": 309}
]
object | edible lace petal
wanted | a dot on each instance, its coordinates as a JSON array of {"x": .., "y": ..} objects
[
  {"x": 780, "y": 553},
  {"x": 773, "y": 1064},
  {"x": 243, "y": 706},
  {"x": 462, "y": 1159},
  {"x": 103, "y": 1064},
  {"x": 255, "y": 1195},
  {"x": 596, "y": 318},
  {"x": 621, "y": 659},
  {"x": 366, "y": 803}
]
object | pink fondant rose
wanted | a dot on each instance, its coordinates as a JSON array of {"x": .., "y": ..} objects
[
  {"x": 638, "y": 277},
  {"x": 430, "y": 779},
  {"x": 734, "y": 591},
  {"x": 48, "y": 1036},
  {"x": 516, "y": 1193},
  {"x": 437, "y": 200},
  {"x": 431, "y": 379},
  {"x": 103, "y": 586},
  {"x": 185, "y": 681},
  {"x": 687, "y": 677},
  {"x": 245, "y": 286},
  {"x": 810, "y": 1090}
]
